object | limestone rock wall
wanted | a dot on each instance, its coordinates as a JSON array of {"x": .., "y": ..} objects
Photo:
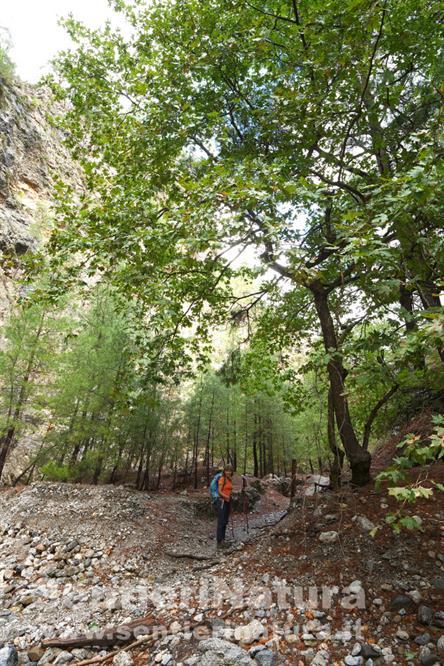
[{"x": 31, "y": 156}]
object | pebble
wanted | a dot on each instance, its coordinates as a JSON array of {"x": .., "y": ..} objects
[
  {"x": 123, "y": 659},
  {"x": 267, "y": 658},
  {"x": 355, "y": 587},
  {"x": 386, "y": 587},
  {"x": 402, "y": 635},
  {"x": 369, "y": 651},
  {"x": 401, "y": 601},
  {"x": 424, "y": 615},
  {"x": 416, "y": 596},
  {"x": 329, "y": 537},
  {"x": 321, "y": 658},
  {"x": 422, "y": 639},
  {"x": 428, "y": 658},
  {"x": 364, "y": 523},
  {"x": 35, "y": 653}
]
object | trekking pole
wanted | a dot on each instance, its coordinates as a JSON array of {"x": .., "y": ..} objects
[{"x": 232, "y": 521}]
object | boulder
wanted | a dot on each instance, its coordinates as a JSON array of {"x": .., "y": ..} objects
[
  {"x": 8, "y": 656},
  {"x": 217, "y": 652},
  {"x": 249, "y": 633},
  {"x": 267, "y": 658}
]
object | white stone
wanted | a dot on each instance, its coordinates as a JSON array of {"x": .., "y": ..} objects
[
  {"x": 249, "y": 633},
  {"x": 321, "y": 658},
  {"x": 123, "y": 659},
  {"x": 355, "y": 587},
  {"x": 416, "y": 596},
  {"x": 352, "y": 661},
  {"x": 365, "y": 524},
  {"x": 356, "y": 649},
  {"x": 216, "y": 651},
  {"x": 329, "y": 537},
  {"x": 402, "y": 635}
]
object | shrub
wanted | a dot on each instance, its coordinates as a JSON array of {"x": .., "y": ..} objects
[
  {"x": 54, "y": 472},
  {"x": 414, "y": 452}
]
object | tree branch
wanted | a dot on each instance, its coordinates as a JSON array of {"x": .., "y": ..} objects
[
  {"x": 373, "y": 414},
  {"x": 275, "y": 16}
]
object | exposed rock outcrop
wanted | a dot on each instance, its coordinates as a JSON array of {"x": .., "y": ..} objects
[{"x": 31, "y": 156}]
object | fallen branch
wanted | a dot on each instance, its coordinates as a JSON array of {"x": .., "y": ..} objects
[
  {"x": 111, "y": 655},
  {"x": 107, "y": 637},
  {"x": 118, "y": 635}
]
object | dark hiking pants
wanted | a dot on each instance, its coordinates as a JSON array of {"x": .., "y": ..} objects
[{"x": 223, "y": 515}]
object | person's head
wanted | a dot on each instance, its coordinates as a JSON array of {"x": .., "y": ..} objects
[{"x": 228, "y": 471}]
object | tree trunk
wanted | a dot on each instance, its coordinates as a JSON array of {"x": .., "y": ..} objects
[
  {"x": 234, "y": 449},
  {"x": 7, "y": 439},
  {"x": 196, "y": 443},
  {"x": 255, "y": 458},
  {"x": 139, "y": 471},
  {"x": 98, "y": 469},
  {"x": 338, "y": 454},
  {"x": 207, "y": 444},
  {"x": 261, "y": 447},
  {"x": 357, "y": 456},
  {"x": 246, "y": 439},
  {"x": 147, "y": 472},
  {"x": 270, "y": 447},
  {"x": 6, "y": 442},
  {"x": 293, "y": 480},
  {"x": 159, "y": 472}
]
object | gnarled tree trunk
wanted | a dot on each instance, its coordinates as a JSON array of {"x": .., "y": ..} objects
[{"x": 358, "y": 457}]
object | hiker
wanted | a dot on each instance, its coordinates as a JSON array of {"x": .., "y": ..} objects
[{"x": 225, "y": 488}]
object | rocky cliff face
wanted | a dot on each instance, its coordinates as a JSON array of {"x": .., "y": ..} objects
[{"x": 31, "y": 155}]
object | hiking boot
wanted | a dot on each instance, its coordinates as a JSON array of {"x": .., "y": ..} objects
[{"x": 221, "y": 545}]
